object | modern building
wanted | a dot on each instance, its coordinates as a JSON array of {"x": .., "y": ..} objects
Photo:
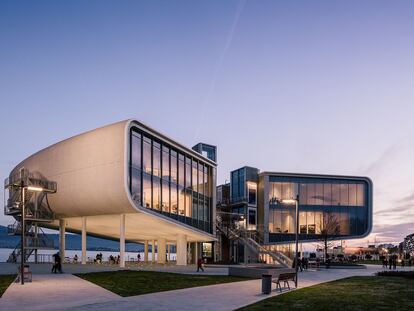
[
  {"x": 336, "y": 206},
  {"x": 408, "y": 244},
  {"x": 127, "y": 182}
]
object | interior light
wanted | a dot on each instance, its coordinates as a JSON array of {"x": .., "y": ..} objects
[
  {"x": 289, "y": 201},
  {"x": 31, "y": 188}
]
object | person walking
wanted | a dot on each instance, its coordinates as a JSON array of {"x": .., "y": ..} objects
[
  {"x": 200, "y": 264},
  {"x": 385, "y": 263},
  {"x": 394, "y": 263},
  {"x": 390, "y": 263}
]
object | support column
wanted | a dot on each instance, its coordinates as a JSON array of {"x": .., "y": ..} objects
[
  {"x": 62, "y": 238},
  {"x": 122, "y": 241},
  {"x": 153, "y": 251},
  {"x": 181, "y": 250},
  {"x": 161, "y": 250},
  {"x": 146, "y": 251},
  {"x": 83, "y": 240}
]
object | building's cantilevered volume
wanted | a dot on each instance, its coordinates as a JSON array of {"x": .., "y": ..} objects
[{"x": 128, "y": 182}]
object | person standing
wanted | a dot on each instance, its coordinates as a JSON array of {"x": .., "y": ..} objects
[{"x": 200, "y": 264}]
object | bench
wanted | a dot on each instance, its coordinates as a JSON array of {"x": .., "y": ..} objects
[{"x": 285, "y": 278}]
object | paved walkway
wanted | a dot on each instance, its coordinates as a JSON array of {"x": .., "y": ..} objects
[
  {"x": 45, "y": 268},
  {"x": 66, "y": 292}
]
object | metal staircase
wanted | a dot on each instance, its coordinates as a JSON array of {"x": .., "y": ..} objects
[
  {"x": 253, "y": 241},
  {"x": 36, "y": 211}
]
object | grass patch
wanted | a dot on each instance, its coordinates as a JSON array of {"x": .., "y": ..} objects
[
  {"x": 5, "y": 281},
  {"x": 131, "y": 283},
  {"x": 351, "y": 294}
]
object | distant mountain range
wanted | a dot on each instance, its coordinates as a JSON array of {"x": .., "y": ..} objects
[{"x": 73, "y": 242}]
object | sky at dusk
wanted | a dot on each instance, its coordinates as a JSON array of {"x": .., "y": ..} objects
[{"x": 288, "y": 86}]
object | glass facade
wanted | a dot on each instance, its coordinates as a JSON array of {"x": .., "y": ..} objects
[
  {"x": 342, "y": 202},
  {"x": 169, "y": 181}
]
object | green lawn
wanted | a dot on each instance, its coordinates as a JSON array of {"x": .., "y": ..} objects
[
  {"x": 351, "y": 294},
  {"x": 131, "y": 283},
  {"x": 5, "y": 281}
]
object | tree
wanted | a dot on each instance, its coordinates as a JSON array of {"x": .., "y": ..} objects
[{"x": 329, "y": 229}]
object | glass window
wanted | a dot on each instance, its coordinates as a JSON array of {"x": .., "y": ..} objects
[
  {"x": 188, "y": 173},
  {"x": 181, "y": 201},
  {"x": 344, "y": 194},
  {"x": 136, "y": 151},
  {"x": 156, "y": 193},
  {"x": 173, "y": 166},
  {"x": 195, "y": 205},
  {"x": 252, "y": 217},
  {"x": 318, "y": 222},
  {"x": 200, "y": 178},
  {"x": 327, "y": 194},
  {"x": 302, "y": 222},
  {"x": 277, "y": 221},
  {"x": 181, "y": 165},
  {"x": 136, "y": 185},
  {"x": 146, "y": 190},
  {"x": 285, "y": 221},
  {"x": 165, "y": 163},
  {"x": 271, "y": 220},
  {"x": 165, "y": 196},
  {"x": 286, "y": 187},
  {"x": 207, "y": 191},
  {"x": 252, "y": 193},
  {"x": 360, "y": 195},
  {"x": 174, "y": 199},
  {"x": 241, "y": 184},
  {"x": 234, "y": 185},
  {"x": 147, "y": 155},
  {"x": 352, "y": 194},
  {"x": 277, "y": 191},
  {"x": 156, "y": 159},
  {"x": 344, "y": 223},
  {"x": 336, "y": 194},
  {"x": 195, "y": 177},
  {"x": 311, "y": 194},
  {"x": 310, "y": 219},
  {"x": 302, "y": 194},
  {"x": 188, "y": 205},
  {"x": 319, "y": 194}
]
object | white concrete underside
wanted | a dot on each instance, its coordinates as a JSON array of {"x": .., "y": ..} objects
[{"x": 139, "y": 227}]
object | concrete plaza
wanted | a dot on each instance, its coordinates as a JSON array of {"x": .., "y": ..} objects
[{"x": 68, "y": 292}]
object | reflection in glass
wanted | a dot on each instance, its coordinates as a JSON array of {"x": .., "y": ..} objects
[
  {"x": 188, "y": 173},
  {"x": 181, "y": 165},
  {"x": 352, "y": 194},
  {"x": 165, "y": 196},
  {"x": 318, "y": 194},
  {"x": 336, "y": 194},
  {"x": 165, "y": 163},
  {"x": 147, "y": 155},
  {"x": 136, "y": 185},
  {"x": 181, "y": 201},
  {"x": 136, "y": 151},
  {"x": 174, "y": 199},
  {"x": 156, "y": 193},
  {"x": 146, "y": 190},
  {"x": 360, "y": 201},
  {"x": 156, "y": 159},
  {"x": 174, "y": 166},
  {"x": 344, "y": 194},
  {"x": 327, "y": 194}
]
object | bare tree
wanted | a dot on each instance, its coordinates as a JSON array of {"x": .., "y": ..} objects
[{"x": 329, "y": 229}]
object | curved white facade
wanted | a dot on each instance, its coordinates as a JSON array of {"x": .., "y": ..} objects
[{"x": 91, "y": 171}]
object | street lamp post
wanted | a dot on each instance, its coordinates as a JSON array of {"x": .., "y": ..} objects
[
  {"x": 296, "y": 202},
  {"x": 22, "y": 227}
]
